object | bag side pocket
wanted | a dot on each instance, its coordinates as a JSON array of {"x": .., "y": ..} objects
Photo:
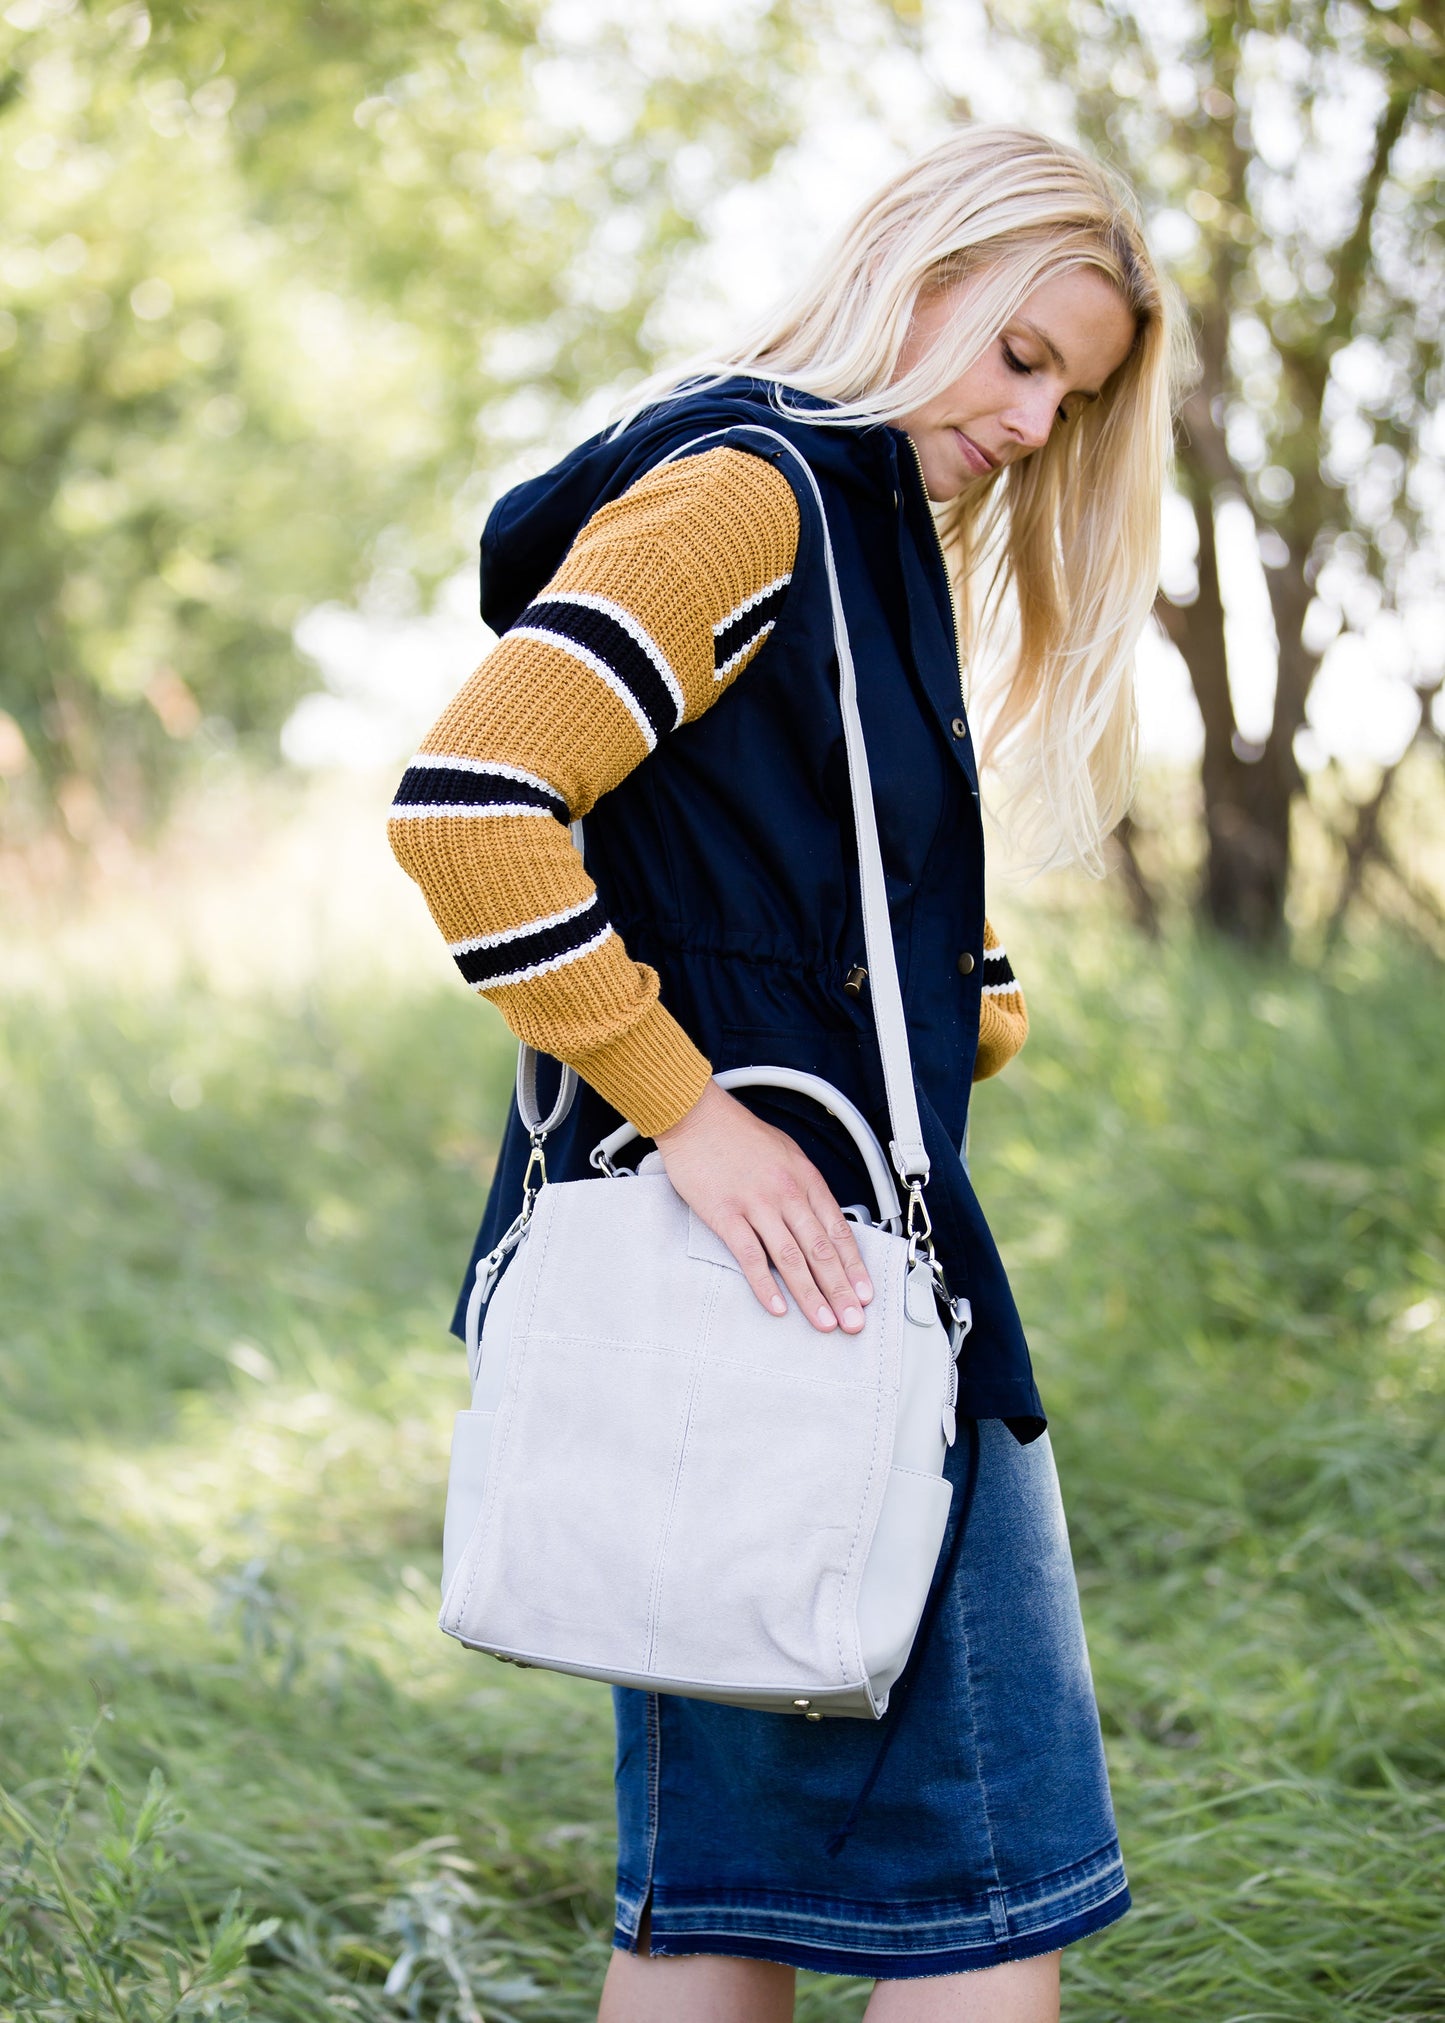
[
  {"x": 466, "y": 1486},
  {"x": 900, "y": 1568}
]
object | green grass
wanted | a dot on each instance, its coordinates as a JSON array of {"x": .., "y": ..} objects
[{"x": 230, "y": 1229}]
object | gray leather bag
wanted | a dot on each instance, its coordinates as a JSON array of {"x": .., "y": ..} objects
[{"x": 660, "y": 1485}]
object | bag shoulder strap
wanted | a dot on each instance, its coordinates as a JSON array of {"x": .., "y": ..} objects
[{"x": 906, "y": 1149}]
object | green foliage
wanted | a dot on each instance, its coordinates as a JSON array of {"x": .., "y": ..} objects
[
  {"x": 284, "y": 287},
  {"x": 78, "y": 1937},
  {"x": 1299, "y": 150},
  {"x": 230, "y": 1230},
  {"x": 1290, "y": 160},
  {"x": 1223, "y": 1188}
]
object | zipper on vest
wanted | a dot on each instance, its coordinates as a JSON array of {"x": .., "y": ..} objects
[{"x": 947, "y": 574}]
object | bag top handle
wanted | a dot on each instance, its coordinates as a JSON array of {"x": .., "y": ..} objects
[{"x": 885, "y": 1192}]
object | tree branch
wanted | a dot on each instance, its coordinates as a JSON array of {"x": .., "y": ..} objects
[
  {"x": 1204, "y": 446},
  {"x": 1361, "y": 846},
  {"x": 1198, "y": 629},
  {"x": 1351, "y": 262},
  {"x": 1422, "y": 904},
  {"x": 1143, "y": 899}
]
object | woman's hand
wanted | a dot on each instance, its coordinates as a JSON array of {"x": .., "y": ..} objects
[{"x": 755, "y": 1189}]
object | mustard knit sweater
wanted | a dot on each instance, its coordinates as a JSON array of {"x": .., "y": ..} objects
[{"x": 665, "y": 597}]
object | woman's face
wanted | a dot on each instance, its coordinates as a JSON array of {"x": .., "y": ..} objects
[{"x": 1055, "y": 355}]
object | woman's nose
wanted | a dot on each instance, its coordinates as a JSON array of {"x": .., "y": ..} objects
[{"x": 1030, "y": 420}]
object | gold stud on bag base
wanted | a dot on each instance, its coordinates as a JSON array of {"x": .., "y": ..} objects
[{"x": 660, "y": 1485}]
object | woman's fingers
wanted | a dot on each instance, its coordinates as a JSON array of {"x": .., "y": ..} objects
[
  {"x": 787, "y": 1254},
  {"x": 826, "y": 1272},
  {"x": 839, "y": 1231},
  {"x": 814, "y": 1265},
  {"x": 771, "y": 1206},
  {"x": 818, "y": 1282},
  {"x": 742, "y": 1240}
]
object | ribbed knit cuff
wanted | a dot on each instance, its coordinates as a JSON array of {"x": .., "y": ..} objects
[
  {"x": 652, "y": 1072},
  {"x": 1003, "y": 1026}
]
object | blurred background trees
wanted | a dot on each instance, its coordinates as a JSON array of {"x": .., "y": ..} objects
[
  {"x": 283, "y": 284},
  {"x": 1302, "y": 144},
  {"x": 289, "y": 288}
]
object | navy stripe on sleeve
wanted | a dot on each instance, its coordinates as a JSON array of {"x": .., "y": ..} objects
[
  {"x": 615, "y": 648},
  {"x": 518, "y": 953},
  {"x": 747, "y": 625},
  {"x": 998, "y": 975},
  {"x": 457, "y": 787}
]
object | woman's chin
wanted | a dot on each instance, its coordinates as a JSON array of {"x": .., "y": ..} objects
[
  {"x": 945, "y": 475},
  {"x": 944, "y": 486}
]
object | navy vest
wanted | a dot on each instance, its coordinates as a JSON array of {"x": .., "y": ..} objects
[{"x": 726, "y": 859}]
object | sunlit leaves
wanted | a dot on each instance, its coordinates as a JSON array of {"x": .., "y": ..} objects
[{"x": 268, "y": 275}]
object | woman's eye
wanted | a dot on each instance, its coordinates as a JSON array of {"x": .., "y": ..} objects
[{"x": 1016, "y": 364}]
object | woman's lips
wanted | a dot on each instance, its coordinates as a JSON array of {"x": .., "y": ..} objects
[{"x": 978, "y": 461}]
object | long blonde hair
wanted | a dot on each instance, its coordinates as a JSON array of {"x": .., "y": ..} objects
[{"x": 1055, "y": 558}]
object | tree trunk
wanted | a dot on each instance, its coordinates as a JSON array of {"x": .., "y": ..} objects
[
  {"x": 1248, "y": 790},
  {"x": 1247, "y": 862}
]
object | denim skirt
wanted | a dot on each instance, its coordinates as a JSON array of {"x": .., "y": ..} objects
[{"x": 987, "y": 1832}]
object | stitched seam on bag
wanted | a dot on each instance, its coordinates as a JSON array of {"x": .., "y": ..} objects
[
  {"x": 516, "y": 1357},
  {"x": 857, "y": 1530},
  {"x": 589, "y": 1341},
  {"x": 790, "y": 1377},
  {"x": 727, "y": 1692},
  {"x": 593, "y": 1341},
  {"x": 680, "y": 1456}
]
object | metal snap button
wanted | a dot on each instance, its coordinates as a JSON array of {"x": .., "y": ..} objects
[
  {"x": 959, "y": 727},
  {"x": 965, "y": 964}
]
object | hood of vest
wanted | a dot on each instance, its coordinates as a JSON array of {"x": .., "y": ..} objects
[{"x": 531, "y": 527}]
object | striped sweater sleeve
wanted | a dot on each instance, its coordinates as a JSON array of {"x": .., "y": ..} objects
[
  {"x": 1003, "y": 1020},
  {"x": 662, "y": 601}
]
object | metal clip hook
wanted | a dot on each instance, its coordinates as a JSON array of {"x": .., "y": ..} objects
[
  {"x": 919, "y": 1225},
  {"x": 536, "y": 1163},
  {"x": 919, "y": 1231}
]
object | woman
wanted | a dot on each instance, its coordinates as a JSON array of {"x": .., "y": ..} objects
[{"x": 989, "y": 337}]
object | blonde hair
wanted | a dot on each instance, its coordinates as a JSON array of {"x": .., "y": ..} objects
[{"x": 1055, "y": 557}]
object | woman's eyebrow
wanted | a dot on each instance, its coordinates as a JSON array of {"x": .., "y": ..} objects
[{"x": 1080, "y": 392}]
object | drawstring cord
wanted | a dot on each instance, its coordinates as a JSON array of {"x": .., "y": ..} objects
[{"x": 903, "y": 1689}]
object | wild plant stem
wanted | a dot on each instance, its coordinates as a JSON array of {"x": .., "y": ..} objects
[{"x": 74, "y": 1915}]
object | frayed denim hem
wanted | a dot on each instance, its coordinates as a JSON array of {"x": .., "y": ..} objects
[{"x": 903, "y": 1942}]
